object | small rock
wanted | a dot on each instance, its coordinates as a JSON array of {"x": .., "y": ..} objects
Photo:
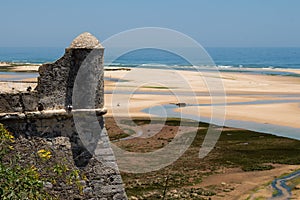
[
  {"x": 223, "y": 183},
  {"x": 119, "y": 197},
  {"x": 87, "y": 190},
  {"x": 82, "y": 183},
  {"x": 48, "y": 185},
  {"x": 297, "y": 187},
  {"x": 62, "y": 141},
  {"x": 174, "y": 191},
  {"x": 134, "y": 198},
  {"x": 62, "y": 185}
]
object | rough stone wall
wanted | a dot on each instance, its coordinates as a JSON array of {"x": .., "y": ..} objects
[
  {"x": 56, "y": 81},
  {"x": 48, "y": 111},
  {"x": 18, "y": 102}
]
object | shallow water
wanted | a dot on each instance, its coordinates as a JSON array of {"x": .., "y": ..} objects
[
  {"x": 284, "y": 131},
  {"x": 283, "y": 190}
]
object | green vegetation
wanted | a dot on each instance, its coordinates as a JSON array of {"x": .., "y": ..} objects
[
  {"x": 169, "y": 122},
  {"x": 275, "y": 193},
  {"x": 251, "y": 151},
  {"x": 247, "y": 150},
  {"x": 29, "y": 173},
  {"x": 17, "y": 182},
  {"x": 255, "y": 167}
]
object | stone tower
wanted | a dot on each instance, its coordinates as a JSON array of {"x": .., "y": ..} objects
[
  {"x": 56, "y": 81},
  {"x": 69, "y": 94}
]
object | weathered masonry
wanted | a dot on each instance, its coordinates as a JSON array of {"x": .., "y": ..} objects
[{"x": 51, "y": 108}]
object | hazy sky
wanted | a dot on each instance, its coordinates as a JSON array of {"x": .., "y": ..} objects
[{"x": 221, "y": 23}]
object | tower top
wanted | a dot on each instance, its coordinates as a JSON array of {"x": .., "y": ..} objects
[{"x": 86, "y": 41}]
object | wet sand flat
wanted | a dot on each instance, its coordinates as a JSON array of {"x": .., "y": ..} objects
[{"x": 136, "y": 94}]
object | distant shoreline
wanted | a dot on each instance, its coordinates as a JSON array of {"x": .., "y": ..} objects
[
  {"x": 272, "y": 71},
  {"x": 224, "y": 57}
]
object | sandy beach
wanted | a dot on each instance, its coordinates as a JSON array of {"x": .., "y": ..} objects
[
  {"x": 249, "y": 97},
  {"x": 19, "y": 67}
]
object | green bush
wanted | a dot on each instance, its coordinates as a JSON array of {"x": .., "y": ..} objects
[
  {"x": 257, "y": 168},
  {"x": 6, "y": 140},
  {"x": 20, "y": 183},
  {"x": 17, "y": 182},
  {"x": 24, "y": 170}
]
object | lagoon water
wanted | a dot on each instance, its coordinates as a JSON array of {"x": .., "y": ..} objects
[{"x": 167, "y": 111}]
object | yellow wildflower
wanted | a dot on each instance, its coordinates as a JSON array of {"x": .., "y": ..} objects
[
  {"x": 11, "y": 138},
  {"x": 44, "y": 154},
  {"x": 33, "y": 168}
]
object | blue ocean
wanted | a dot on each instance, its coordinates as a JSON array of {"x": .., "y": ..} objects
[{"x": 222, "y": 57}]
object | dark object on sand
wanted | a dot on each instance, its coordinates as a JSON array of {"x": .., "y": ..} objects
[{"x": 179, "y": 104}]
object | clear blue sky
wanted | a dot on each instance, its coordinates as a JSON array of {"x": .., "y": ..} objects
[{"x": 220, "y": 23}]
